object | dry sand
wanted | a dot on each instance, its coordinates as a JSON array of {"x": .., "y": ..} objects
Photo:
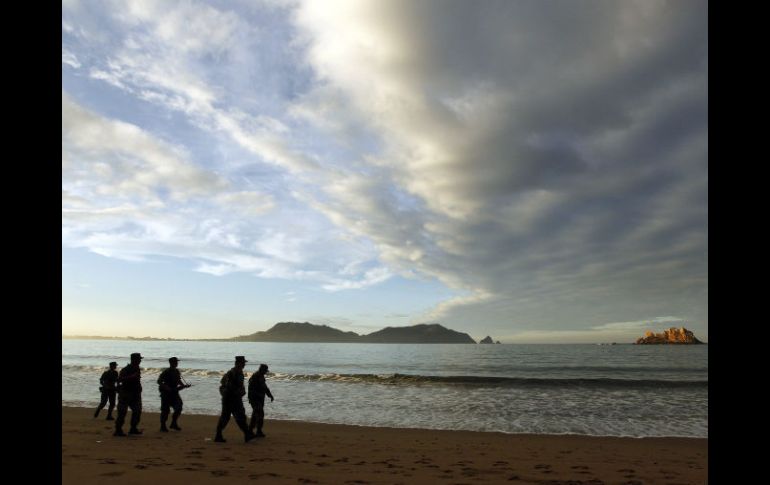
[{"x": 299, "y": 452}]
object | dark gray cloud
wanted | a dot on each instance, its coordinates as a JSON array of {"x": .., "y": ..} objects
[{"x": 558, "y": 151}]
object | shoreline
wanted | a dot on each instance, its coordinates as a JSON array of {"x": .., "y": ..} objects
[
  {"x": 304, "y": 452},
  {"x": 417, "y": 429}
]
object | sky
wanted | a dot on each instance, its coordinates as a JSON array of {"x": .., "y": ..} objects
[{"x": 533, "y": 171}]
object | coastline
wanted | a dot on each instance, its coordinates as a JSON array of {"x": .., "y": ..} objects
[{"x": 302, "y": 452}]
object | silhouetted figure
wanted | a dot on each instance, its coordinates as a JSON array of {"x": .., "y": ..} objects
[
  {"x": 107, "y": 387},
  {"x": 129, "y": 395},
  {"x": 232, "y": 391},
  {"x": 257, "y": 391},
  {"x": 169, "y": 385}
]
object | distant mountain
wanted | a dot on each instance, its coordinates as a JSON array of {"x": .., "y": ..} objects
[
  {"x": 300, "y": 332},
  {"x": 308, "y": 332},
  {"x": 418, "y": 334}
]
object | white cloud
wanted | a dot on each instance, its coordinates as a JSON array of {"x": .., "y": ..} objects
[
  {"x": 70, "y": 59},
  {"x": 369, "y": 278},
  {"x": 638, "y": 324}
]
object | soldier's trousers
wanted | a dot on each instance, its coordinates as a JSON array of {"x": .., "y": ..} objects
[
  {"x": 257, "y": 412},
  {"x": 232, "y": 406},
  {"x": 126, "y": 401},
  {"x": 107, "y": 395},
  {"x": 170, "y": 400}
]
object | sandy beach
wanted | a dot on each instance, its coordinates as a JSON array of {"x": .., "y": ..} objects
[{"x": 300, "y": 452}]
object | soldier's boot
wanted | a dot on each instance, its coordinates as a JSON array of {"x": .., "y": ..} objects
[
  {"x": 134, "y": 431},
  {"x": 118, "y": 432},
  {"x": 219, "y": 438},
  {"x": 96, "y": 414},
  {"x": 260, "y": 422},
  {"x": 109, "y": 417},
  {"x": 174, "y": 424},
  {"x": 163, "y": 427}
]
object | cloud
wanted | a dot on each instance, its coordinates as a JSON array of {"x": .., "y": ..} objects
[
  {"x": 555, "y": 155},
  {"x": 70, "y": 59},
  {"x": 127, "y": 194},
  {"x": 369, "y": 278},
  {"x": 548, "y": 162},
  {"x": 637, "y": 324},
  {"x": 170, "y": 55}
]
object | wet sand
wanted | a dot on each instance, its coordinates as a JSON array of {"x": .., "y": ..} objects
[{"x": 300, "y": 452}]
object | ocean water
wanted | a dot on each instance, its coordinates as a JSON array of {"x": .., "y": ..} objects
[{"x": 606, "y": 390}]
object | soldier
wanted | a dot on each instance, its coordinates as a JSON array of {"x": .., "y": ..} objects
[
  {"x": 169, "y": 385},
  {"x": 257, "y": 391},
  {"x": 107, "y": 388},
  {"x": 129, "y": 395},
  {"x": 232, "y": 391}
]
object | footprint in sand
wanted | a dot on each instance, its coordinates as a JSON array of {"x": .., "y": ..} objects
[
  {"x": 219, "y": 473},
  {"x": 112, "y": 474},
  {"x": 306, "y": 480},
  {"x": 257, "y": 476},
  {"x": 580, "y": 467}
]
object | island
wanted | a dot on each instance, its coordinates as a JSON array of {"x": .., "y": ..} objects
[
  {"x": 423, "y": 333},
  {"x": 671, "y": 336},
  {"x": 488, "y": 340}
]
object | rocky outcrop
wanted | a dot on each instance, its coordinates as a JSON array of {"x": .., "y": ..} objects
[
  {"x": 488, "y": 340},
  {"x": 670, "y": 336}
]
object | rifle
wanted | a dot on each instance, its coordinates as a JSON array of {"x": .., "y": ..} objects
[{"x": 185, "y": 384}]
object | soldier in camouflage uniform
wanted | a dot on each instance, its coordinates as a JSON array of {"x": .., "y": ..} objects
[
  {"x": 232, "y": 391},
  {"x": 129, "y": 396},
  {"x": 107, "y": 388},
  {"x": 169, "y": 385}
]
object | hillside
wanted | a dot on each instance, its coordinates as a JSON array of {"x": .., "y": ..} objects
[
  {"x": 300, "y": 332},
  {"x": 308, "y": 332},
  {"x": 418, "y": 334}
]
